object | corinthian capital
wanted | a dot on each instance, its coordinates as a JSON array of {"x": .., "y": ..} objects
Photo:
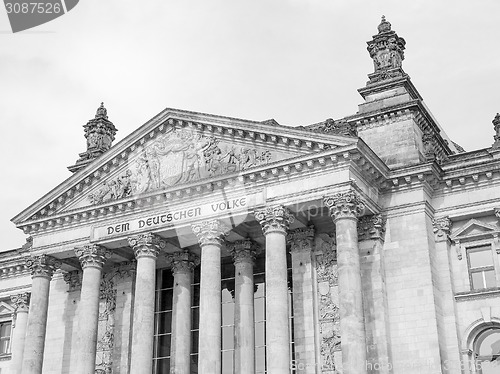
[
  {"x": 92, "y": 255},
  {"x": 20, "y": 302},
  {"x": 211, "y": 232},
  {"x": 42, "y": 265},
  {"x": 301, "y": 239},
  {"x": 345, "y": 205},
  {"x": 274, "y": 219},
  {"x": 183, "y": 262},
  {"x": 371, "y": 227},
  {"x": 146, "y": 245},
  {"x": 441, "y": 228},
  {"x": 243, "y": 250}
]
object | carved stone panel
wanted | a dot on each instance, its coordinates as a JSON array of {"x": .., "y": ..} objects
[{"x": 328, "y": 300}]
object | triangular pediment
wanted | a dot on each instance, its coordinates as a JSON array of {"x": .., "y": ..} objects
[
  {"x": 474, "y": 228},
  {"x": 176, "y": 148}
]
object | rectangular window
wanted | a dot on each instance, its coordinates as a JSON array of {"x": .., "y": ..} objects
[
  {"x": 5, "y": 331},
  {"x": 481, "y": 267}
]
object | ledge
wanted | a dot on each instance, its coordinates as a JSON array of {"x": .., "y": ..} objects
[
  {"x": 5, "y": 356},
  {"x": 478, "y": 294}
]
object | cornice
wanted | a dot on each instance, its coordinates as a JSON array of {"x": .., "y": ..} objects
[{"x": 298, "y": 138}]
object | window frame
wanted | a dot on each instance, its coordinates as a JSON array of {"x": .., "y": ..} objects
[{"x": 473, "y": 247}]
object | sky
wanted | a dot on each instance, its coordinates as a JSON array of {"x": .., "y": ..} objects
[{"x": 297, "y": 61}]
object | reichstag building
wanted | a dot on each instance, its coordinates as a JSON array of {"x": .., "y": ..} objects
[{"x": 207, "y": 244}]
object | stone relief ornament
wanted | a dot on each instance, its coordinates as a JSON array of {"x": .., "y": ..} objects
[
  {"x": 42, "y": 265},
  {"x": 328, "y": 300},
  {"x": 371, "y": 227},
  {"x": 441, "y": 228},
  {"x": 74, "y": 280},
  {"x": 274, "y": 219},
  {"x": 179, "y": 156},
  {"x": 20, "y": 302},
  {"x": 301, "y": 239},
  {"x": 210, "y": 232},
  {"x": 345, "y": 205}
]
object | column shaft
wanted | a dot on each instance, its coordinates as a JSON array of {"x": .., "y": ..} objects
[
  {"x": 275, "y": 222},
  {"x": 37, "y": 325},
  {"x": 88, "y": 319},
  {"x": 141, "y": 360},
  {"x": 211, "y": 238},
  {"x": 244, "y": 319},
  {"x": 42, "y": 268},
  {"x": 209, "y": 361},
  {"x": 182, "y": 266},
  {"x": 20, "y": 302},
  {"x": 146, "y": 248},
  {"x": 92, "y": 258},
  {"x": 277, "y": 332}
]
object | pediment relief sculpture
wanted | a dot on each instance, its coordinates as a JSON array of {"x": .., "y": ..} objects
[{"x": 180, "y": 156}]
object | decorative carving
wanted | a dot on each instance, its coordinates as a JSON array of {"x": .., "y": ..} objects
[
  {"x": 429, "y": 142},
  {"x": 179, "y": 156},
  {"x": 183, "y": 262},
  {"x": 106, "y": 324},
  {"x": 496, "y": 125},
  {"x": 274, "y": 219},
  {"x": 210, "y": 232},
  {"x": 92, "y": 255},
  {"x": 441, "y": 228},
  {"x": 340, "y": 127},
  {"x": 243, "y": 250},
  {"x": 329, "y": 312},
  {"x": 26, "y": 247},
  {"x": 74, "y": 280},
  {"x": 125, "y": 269},
  {"x": 146, "y": 245},
  {"x": 20, "y": 302},
  {"x": 371, "y": 227},
  {"x": 345, "y": 205},
  {"x": 387, "y": 51},
  {"x": 458, "y": 247},
  {"x": 100, "y": 133},
  {"x": 301, "y": 239},
  {"x": 42, "y": 265}
]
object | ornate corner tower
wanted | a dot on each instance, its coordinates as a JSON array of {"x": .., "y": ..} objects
[
  {"x": 100, "y": 133},
  {"x": 393, "y": 120}
]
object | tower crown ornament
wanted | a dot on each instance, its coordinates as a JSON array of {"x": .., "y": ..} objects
[
  {"x": 100, "y": 133},
  {"x": 496, "y": 125},
  {"x": 387, "y": 51}
]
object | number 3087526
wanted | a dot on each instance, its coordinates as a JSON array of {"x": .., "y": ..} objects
[{"x": 33, "y": 8}]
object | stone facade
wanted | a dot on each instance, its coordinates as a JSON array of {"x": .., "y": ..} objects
[{"x": 379, "y": 238}]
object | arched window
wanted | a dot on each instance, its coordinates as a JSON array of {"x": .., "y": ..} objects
[{"x": 487, "y": 351}]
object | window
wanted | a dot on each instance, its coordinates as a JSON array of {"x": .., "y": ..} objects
[
  {"x": 481, "y": 267},
  {"x": 5, "y": 331},
  {"x": 487, "y": 352}
]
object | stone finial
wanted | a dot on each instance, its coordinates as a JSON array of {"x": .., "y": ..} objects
[
  {"x": 146, "y": 245},
  {"x": 301, "y": 239},
  {"x": 20, "y": 302},
  {"x": 371, "y": 227},
  {"x": 183, "y": 261},
  {"x": 100, "y": 133},
  {"x": 92, "y": 255},
  {"x": 345, "y": 205},
  {"x": 274, "y": 219},
  {"x": 42, "y": 265},
  {"x": 73, "y": 279},
  {"x": 210, "y": 232},
  {"x": 387, "y": 51},
  {"x": 243, "y": 250},
  {"x": 496, "y": 125},
  {"x": 429, "y": 143},
  {"x": 441, "y": 228}
]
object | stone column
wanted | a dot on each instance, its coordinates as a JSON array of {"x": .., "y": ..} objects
[
  {"x": 92, "y": 258},
  {"x": 211, "y": 238},
  {"x": 20, "y": 303},
  {"x": 301, "y": 247},
  {"x": 182, "y": 268},
  {"x": 243, "y": 252},
  {"x": 146, "y": 248},
  {"x": 42, "y": 268},
  {"x": 275, "y": 222},
  {"x": 345, "y": 208}
]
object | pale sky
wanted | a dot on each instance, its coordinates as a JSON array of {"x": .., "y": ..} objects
[{"x": 297, "y": 61}]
